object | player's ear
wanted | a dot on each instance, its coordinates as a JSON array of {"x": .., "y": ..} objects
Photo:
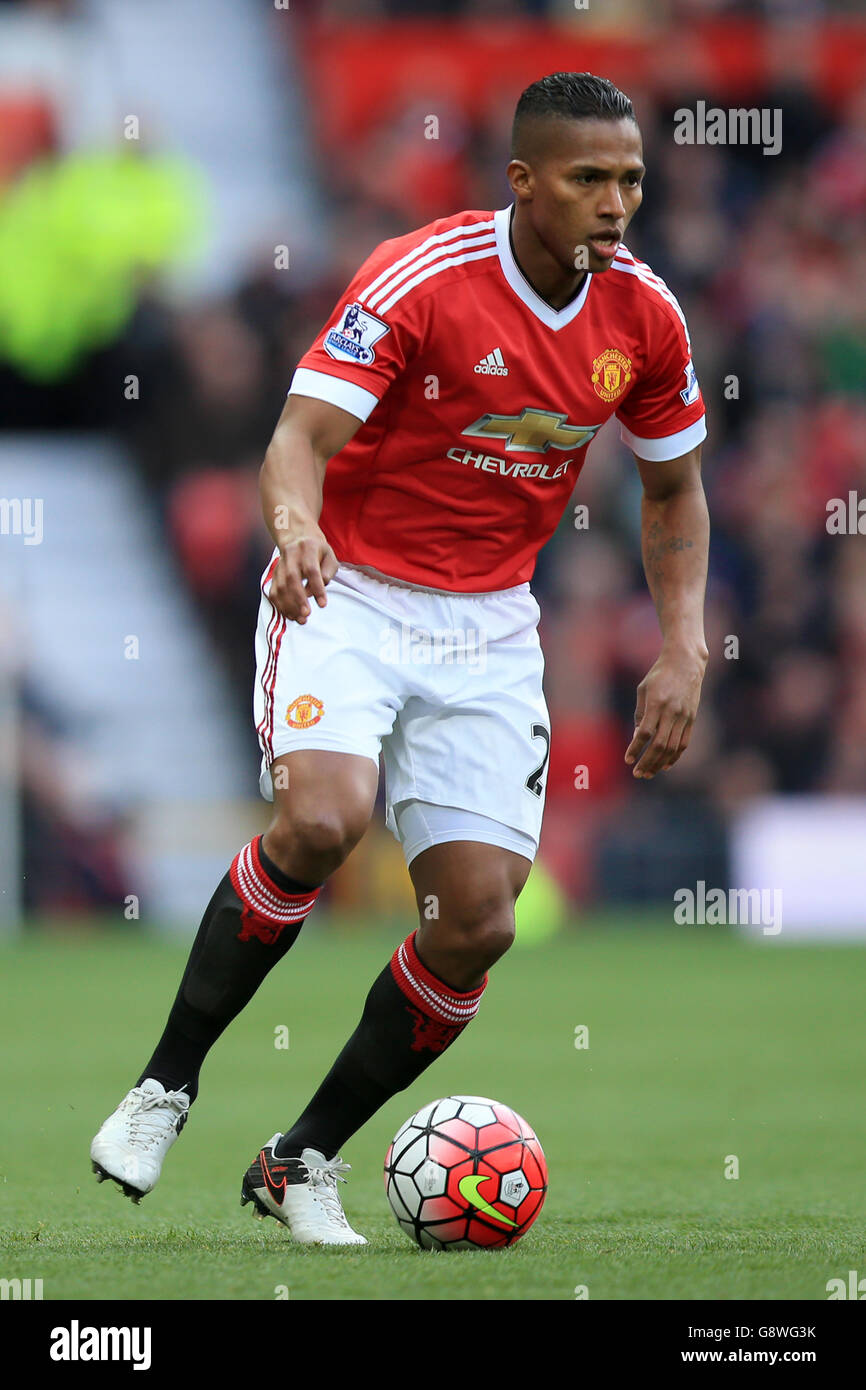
[{"x": 521, "y": 179}]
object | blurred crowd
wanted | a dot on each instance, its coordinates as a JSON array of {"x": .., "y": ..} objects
[
  {"x": 768, "y": 259},
  {"x": 608, "y": 13}
]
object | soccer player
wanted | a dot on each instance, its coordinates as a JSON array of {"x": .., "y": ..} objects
[{"x": 429, "y": 444}]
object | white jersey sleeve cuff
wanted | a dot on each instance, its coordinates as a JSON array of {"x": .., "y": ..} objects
[
  {"x": 670, "y": 446},
  {"x": 335, "y": 389}
]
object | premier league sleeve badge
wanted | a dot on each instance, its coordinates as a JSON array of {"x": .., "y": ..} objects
[{"x": 355, "y": 337}]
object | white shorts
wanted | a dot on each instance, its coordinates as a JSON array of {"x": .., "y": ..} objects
[
  {"x": 420, "y": 825},
  {"x": 447, "y": 686}
]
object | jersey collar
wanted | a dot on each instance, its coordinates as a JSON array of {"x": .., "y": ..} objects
[{"x": 554, "y": 318}]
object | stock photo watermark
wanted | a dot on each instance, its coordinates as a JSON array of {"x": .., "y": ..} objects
[
  {"x": 22, "y": 516},
  {"x": 20, "y": 1290},
  {"x": 719, "y": 907},
  {"x": 846, "y": 516},
  {"x": 408, "y": 645},
  {"x": 852, "y": 1287},
  {"x": 713, "y": 125},
  {"x": 77, "y": 1343}
]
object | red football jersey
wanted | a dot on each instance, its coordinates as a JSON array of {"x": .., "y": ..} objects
[{"x": 479, "y": 400}]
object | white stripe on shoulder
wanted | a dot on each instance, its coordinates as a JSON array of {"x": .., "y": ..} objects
[
  {"x": 631, "y": 266},
  {"x": 438, "y": 253},
  {"x": 434, "y": 269},
  {"x": 643, "y": 272},
  {"x": 623, "y": 251},
  {"x": 670, "y": 446},
  {"x": 438, "y": 239},
  {"x": 334, "y": 389}
]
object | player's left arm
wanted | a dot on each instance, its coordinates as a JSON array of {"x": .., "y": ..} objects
[{"x": 675, "y": 537}]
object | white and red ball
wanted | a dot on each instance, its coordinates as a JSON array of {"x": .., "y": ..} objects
[{"x": 465, "y": 1172}]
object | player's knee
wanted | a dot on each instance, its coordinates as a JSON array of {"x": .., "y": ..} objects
[
  {"x": 484, "y": 928},
  {"x": 310, "y": 842},
  {"x": 327, "y": 832}
]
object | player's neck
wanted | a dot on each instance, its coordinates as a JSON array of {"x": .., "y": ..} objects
[{"x": 537, "y": 266}]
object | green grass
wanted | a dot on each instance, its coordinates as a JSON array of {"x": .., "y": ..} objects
[{"x": 701, "y": 1046}]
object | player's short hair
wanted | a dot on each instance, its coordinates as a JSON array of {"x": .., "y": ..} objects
[{"x": 570, "y": 96}]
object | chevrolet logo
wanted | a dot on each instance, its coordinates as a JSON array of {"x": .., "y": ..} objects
[{"x": 533, "y": 430}]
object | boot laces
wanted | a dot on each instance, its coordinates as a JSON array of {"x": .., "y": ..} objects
[
  {"x": 154, "y": 1115},
  {"x": 324, "y": 1178}
]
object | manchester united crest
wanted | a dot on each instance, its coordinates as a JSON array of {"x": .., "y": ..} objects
[
  {"x": 611, "y": 374},
  {"x": 304, "y": 711}
]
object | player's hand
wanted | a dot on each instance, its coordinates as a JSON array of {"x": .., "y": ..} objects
[
  {"x": 305, "y": 566},
  {"x": 667, "y": 705}
]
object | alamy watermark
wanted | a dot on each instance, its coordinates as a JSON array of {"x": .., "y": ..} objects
[
  {"x": 22, "y": 516},
  {"x": 77, "y": 1343},
  {"x": 737, "y": 126},
  {"x": 846, "y": 516},
  {"x": 854, "y": 1287},
  {"x": 408, "y": 645},
  {"x": 760, "y": 907},
  {"x": 20, "y": 1289}
]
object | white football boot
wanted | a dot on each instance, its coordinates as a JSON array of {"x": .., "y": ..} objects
[
  {"x": 132, "y": 1143},
  {"x": 302, "y": 1193}
]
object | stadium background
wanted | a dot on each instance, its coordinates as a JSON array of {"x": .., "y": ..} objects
[{"x": 185, "y": 188}]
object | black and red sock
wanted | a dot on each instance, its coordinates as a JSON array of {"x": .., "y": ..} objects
[
  {"x": 409, "y": 1019},
  {"x": 251, "y": 921}
]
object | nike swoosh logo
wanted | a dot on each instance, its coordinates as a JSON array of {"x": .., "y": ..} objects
[
  {"x": 468, "y": 1189},
  {"x": 276, "y": 1189}
]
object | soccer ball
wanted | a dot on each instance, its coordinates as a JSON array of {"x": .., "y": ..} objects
[{"x": 465, "y": 1172}]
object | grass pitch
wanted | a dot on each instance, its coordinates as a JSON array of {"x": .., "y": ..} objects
[{"x": 701, "y": 1047}]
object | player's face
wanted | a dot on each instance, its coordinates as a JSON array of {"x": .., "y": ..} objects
[{"x": 584, "y": 190}]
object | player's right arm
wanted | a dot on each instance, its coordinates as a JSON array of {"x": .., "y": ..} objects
[
  {"x": 338, "y": 383},
  {"x": 309, "y": 432}
]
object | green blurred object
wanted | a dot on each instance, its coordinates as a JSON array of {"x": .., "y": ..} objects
[
  {"x": 541, "y": 909},
  {"x": 75, "y": 237},
  {"x": 843, "y": 354}
]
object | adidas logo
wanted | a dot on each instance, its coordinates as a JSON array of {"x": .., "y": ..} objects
[{"x": 492, "y": 365}]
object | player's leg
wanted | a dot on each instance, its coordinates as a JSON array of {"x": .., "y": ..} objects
[
  {"x": 257, "y": 912},
  {"x": 465, "y": 893},
  {"x": 320, "y": 766},
  {"x": 420, "y": 1003},
  {"x": 426, "y": 994},
  {"x": 252, "y": 920}
]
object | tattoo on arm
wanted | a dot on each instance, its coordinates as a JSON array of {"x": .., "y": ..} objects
[{"x": 655, "y": 551}]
